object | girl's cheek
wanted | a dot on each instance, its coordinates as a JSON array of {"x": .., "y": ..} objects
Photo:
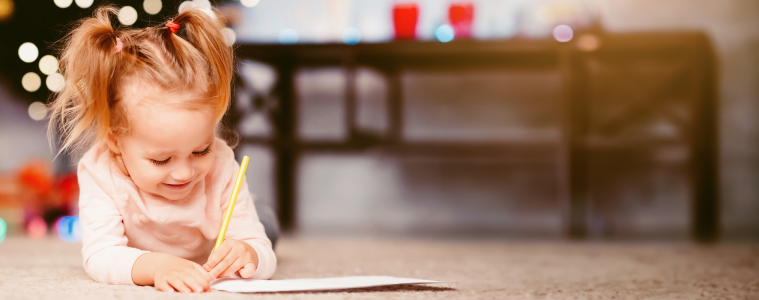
[
  {"x": 211, "y": 162},
  {"x": 207, "y": 162},
  {"x": 158, "y": 175},
  {"x": 152, "y": 173}
]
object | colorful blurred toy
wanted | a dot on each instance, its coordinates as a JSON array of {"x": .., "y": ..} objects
[
  {"x": 69, "y": 229},
  {"x": 34, "y": 198},
  {"x": 36, "y": 228},
  {"x": 3, "y": 229},
  {"x": 11, "y": 213},
  {"x": 36, "y": 175}
]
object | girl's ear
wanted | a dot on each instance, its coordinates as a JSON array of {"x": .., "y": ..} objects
[
  {"x": 113, "y": 143},
  {"x": 115, "y": 147}
]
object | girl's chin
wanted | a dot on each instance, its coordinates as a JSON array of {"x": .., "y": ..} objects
[{"x": 173, "y": 196}]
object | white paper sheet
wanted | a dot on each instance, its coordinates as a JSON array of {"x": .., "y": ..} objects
[{"x": 320, "y": 284}]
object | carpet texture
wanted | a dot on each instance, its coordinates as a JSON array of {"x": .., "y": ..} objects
[{"x": 51, "y": 269}]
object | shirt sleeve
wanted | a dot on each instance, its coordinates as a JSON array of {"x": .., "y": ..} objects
[
  {"x": 106, "y": 256},
  {"x": 245, "y": 226}
]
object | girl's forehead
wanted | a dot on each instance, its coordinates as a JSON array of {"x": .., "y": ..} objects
[
  {"x": 163, "y": 120},
  {"x": 167, "y": 130},
  {"x": 142, "y": 93}
]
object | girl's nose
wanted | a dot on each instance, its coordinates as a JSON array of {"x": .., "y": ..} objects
[{"x": 183, "y": 173}]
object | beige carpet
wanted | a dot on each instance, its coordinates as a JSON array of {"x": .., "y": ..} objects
[{"x": 51, "y": 269}]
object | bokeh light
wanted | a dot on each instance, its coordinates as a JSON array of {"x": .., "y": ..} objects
[
  {"x": 36, "y": 228},
  {"x": 444, "y": 33},
  {"x": 28, "y": 52},
  {"x": 63, "y": 3},
  {"x": 183, "y": 5},
  {"x": 84, "y": 3},
  {"x": 563, "y": 33},
  {"x": 31, "y": 82},
  {"x": 55, "y": 82},
  {"x": 6, "y": 9},
  {"x": 152, "y": 7},
  {"x": 3, "y": 229},
  {"x": 127, "y": 15},
  {"x": 351, "y": 36},
  {"x": 48, "y": 64},
  {"x": 69, "y": 228},
  {"x": 249, "y": 3},
  {"x": 588, "y": 42},
  {"x": 204, "y": 6},
  {"x": 230, "y": 37},
  {"x": 288, "y": 36},
  {"x": 37, "y": 111}
]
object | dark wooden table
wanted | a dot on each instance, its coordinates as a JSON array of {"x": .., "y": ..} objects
[{"x": 670, "y": 74}]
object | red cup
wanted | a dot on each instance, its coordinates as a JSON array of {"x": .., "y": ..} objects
[
  {"x": 461, "y": 16},
  {"x": 405, "y": 17}
]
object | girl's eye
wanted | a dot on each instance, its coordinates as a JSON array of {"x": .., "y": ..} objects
[
  {"x": 204, "y": 152},
  {"x": 160, "y": 163}
]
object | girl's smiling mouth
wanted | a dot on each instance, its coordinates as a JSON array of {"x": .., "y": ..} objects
[{"x": 177, "y": 186}]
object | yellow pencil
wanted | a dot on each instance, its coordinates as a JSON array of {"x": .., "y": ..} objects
[{"x": 232, "y": 201}]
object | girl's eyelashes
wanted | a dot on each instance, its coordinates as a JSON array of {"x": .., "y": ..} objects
[
  {"x": 204, "y": 152},
  {"x": 160, "y": 163},
  {"x": 165, "y": 161}
]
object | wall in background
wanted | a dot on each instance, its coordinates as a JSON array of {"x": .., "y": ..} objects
[
  {"x": 733, "y": 26},
  {"x": 21, "y": 138}
]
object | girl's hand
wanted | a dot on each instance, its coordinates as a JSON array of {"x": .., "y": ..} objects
[
  {"x": 232, "y": 256},
  {"x": 181, "y": 275}
]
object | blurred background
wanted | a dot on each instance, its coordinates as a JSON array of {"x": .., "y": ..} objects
[{"x": 537, "y": 119}]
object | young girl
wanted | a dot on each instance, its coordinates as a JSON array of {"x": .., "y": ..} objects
[{"x": 156, "y": 179}]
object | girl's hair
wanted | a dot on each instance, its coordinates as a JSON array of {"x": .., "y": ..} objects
[{"x": 90, "y": 105}]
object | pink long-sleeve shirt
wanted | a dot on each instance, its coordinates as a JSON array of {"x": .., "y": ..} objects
[{"x": 120, "y": 222}]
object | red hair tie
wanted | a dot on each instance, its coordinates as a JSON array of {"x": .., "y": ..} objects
[{"x": 173, "y": 26}]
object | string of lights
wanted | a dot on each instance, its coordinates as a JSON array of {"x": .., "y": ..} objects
[{"x": 31, "y": 29}]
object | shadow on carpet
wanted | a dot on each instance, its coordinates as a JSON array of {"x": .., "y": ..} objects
[{"x": 392, "y": 288}]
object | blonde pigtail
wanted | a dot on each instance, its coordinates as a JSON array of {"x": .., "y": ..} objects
[
  {"x": 80, "y": 112},
  {"x": 97, "y": 61}
]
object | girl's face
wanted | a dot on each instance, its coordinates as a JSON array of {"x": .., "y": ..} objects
[{"x": 170, "y": 149}]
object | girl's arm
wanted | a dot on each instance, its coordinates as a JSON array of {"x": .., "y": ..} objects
[
  {"x": 244, "y": 227},
  {"x": 169, "y": 273},
  {"x": 108, "y": 259},
  {"x": 104, "y": 243}
]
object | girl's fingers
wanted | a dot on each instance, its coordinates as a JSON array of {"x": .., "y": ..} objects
[
  {"x": 236, "y": 265},
  {"x": 179, "y": 285},
  {"x": 163, "y": 286},
  {"x": 247, "y": 270},
  {"x": 203, "y": 273},
  {"x": 223, "y": 265},
  {"x": 191, "y": 280},
  {"x": 217, "y": 256},
  {"x": 202, "y": 277}
]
